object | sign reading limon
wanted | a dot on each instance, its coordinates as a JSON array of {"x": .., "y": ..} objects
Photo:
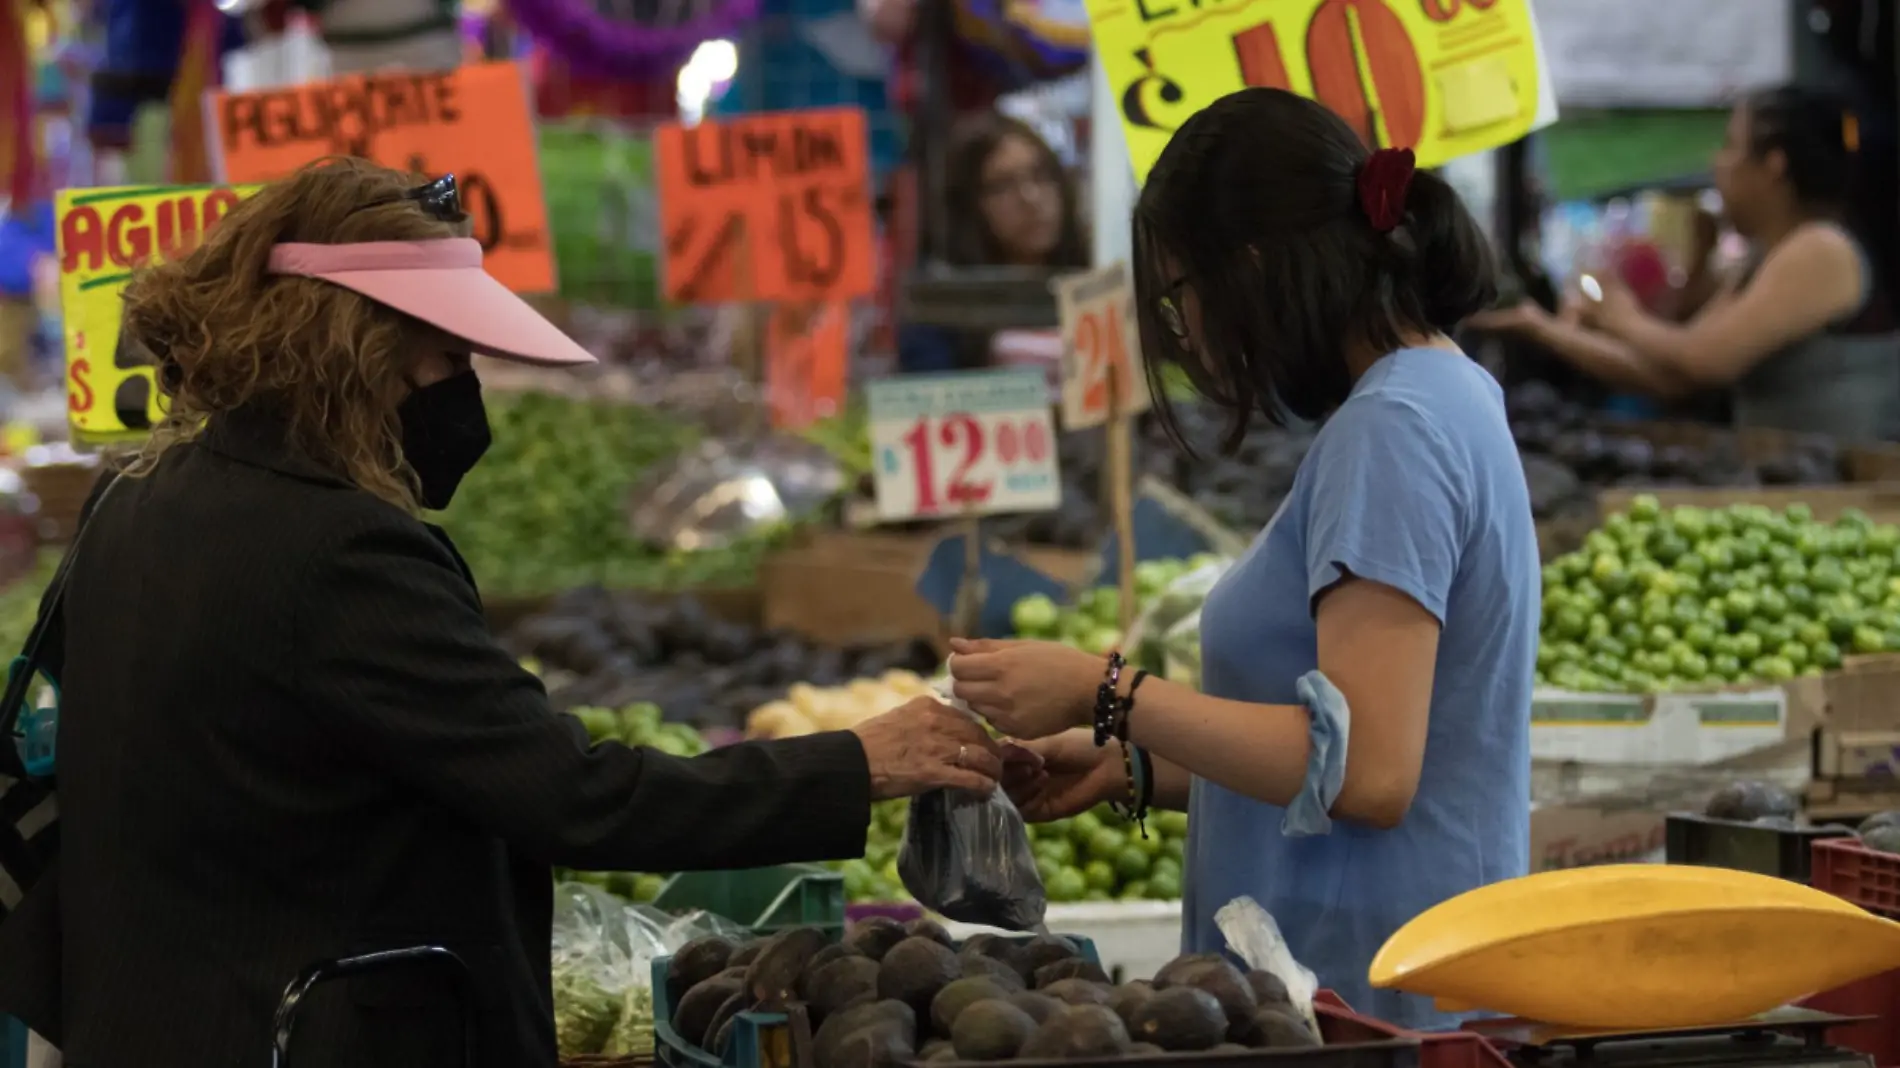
[
  {"x": 1443, "y": 77},
  {"x": 104, "y": 234}
]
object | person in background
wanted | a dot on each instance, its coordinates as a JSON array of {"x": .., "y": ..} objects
[
  {"x": 1802, "y": 335},
  {"x": 1360, "y": 750},
  {"x": 1010, "y": 203},
  {"x": 287, "y": 733}
]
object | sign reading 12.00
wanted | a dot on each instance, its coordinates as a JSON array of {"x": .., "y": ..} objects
[{"x": 973, "y": 443}]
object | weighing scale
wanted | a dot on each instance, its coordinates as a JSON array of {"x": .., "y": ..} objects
[{"x": 1788, "y": 1037}]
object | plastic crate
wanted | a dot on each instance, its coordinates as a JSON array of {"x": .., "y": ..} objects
[
  {"x": 1877, "y": 996},
  {"x": 1436, "y": 1049},
  {"x": 1858, "y": 875},
  {"x": 765, "y": 900},
  {"x": 761, "y": 1039},
  {"x": 1785, "y": 852}
]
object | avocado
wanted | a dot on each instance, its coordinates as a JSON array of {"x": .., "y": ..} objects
[
  {"x": 745, "y": 953},
  {"x": 1226, "y": 983},
  {"x": 1878, "y": 819},
  {"x": 721, "y": 1025},
  {"x": 828, "y": 954},
  {"x": 953, "y": 999},
  {"x": 1749, "y": 801},
  {"x": 925, "y": 927},
  {"x": 1275, "y": 1028},
  {"x": 996, "y": 947},
  {"x": 1077, "y": 992},
  {"x": 1146, "y": 1049},
  {"x": 1268, "y": 989},
  {"x": 841, "y": 983},
  {"x": 933, "y": 1047},
  {"x": 977, "y": 966},
  {"x": 772, "y": 978},
  {"x": 1042, "y": 951},
  {"x": 1883, "y": 839},
  {"x": 1165, "y": 977},
  {"x": 1077, "y": 1032},
  {"x": 1072, "y": 968},
  {"x": 914, "y": 970},
  {"x": 1179, "y": 1019},
  {"x": 1039, "y": 1006},
  {"x": 991, "y": 1031},
  {"x": 874, "y": 936},
  {"x": 832, "y": 1033},
  {"x": 692, "y": 1017},
  {"x": 695, "y": 962},
  {"x": 879, "y": 1045},
  {"x": 1128, "y": 997}
]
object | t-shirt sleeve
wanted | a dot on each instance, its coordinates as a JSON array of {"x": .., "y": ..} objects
[{"x": 1387, "y": 503}]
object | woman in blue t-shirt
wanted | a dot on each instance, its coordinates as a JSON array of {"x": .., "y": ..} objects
[{"x": 1361, "y": 751}]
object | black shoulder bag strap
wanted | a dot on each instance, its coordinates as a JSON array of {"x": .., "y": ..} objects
[{"x": 26, "y": 668}]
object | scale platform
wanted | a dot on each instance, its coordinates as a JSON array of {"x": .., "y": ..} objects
[{"x": 1788, "y": 1037}]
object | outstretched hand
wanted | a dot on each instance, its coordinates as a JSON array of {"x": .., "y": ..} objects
[
  {"x": 1026, "y": 689},
  {"x": 925, "y": 745},
  {"x": 1058, "y": 777}
]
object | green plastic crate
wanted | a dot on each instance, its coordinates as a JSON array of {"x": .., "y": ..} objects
[{"x": 763, "y": 899}]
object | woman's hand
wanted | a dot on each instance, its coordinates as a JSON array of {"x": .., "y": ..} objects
[
  {"x": 1026, "y": 689},
  {"x": 925, "y": 745},
  {"x": 1060, "y": 776}
]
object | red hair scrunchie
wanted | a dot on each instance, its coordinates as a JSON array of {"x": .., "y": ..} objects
[{"x": 1384, "y": 180}]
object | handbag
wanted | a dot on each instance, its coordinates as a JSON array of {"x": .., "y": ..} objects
[{"x": 28, "y": 804}]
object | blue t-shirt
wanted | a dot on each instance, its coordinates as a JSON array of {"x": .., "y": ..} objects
[{"x": 1414, "y": 483}]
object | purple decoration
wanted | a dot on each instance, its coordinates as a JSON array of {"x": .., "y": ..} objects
[{"x": 595, "y": 44}]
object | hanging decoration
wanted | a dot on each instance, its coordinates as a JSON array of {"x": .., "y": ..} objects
[
  {"x": 1025, "y": 41},
  {"x": 629, "y": 40}
]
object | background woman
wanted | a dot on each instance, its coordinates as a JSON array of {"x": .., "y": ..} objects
[
  {"x": 1010, "y": 203},
  {"x": 1361, "y": 752},
  {"x": 286, "y": 733},
  {"x": 1802, "y": 336}
]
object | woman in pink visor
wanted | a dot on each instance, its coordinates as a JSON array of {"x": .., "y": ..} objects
[{"x": 286, "y": 734}]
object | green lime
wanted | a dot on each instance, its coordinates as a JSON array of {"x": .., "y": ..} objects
[
  {"x": 1660, "y": 637},
  {"x": 1645, "y": 508},
  {"x": 1099, "y": 874},
  {"x": 1800, "y": 597},
  {"x": 1169, "y": 823},
  {"x": 1060, "y": 851},
  {"x": 1164, "y": 886},
  {"x": 1106, "y": 844},
  {"x": 1794, "y": 653},
  {"x": 1747, "y": 646},
  {"x": 1725, "y": 665},
  {"x": 1869, "y": 639},
  {"x": 1083, "y": 827},
  {"x": 1135, "y": 891},
  {"x": 1132, "y": 863},
  {"x": 1174, "y": 850},
  {"x": 1066, "y": 885},
  {"x": 1741, "y": 604},
  {"x": 1771, "y": 602},
  {"x": 1825, "y": 654}
]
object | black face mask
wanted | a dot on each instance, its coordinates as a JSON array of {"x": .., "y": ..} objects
[{"x": 444, "y": 434}]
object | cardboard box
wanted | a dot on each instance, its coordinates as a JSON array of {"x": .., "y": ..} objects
[
  {"x": 846, "y": 588},
  {"x": 1860, "y": 735}
]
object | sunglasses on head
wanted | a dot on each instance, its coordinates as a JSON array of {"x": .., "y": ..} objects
[{"x": 440, "y": 200}]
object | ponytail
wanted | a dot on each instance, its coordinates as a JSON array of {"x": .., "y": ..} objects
[{"x": 1453, "y": 272}]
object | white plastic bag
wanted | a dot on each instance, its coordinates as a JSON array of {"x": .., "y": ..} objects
[
  {"x": 1254, "y": 936},
  {"x": 1182, "y": 599}
]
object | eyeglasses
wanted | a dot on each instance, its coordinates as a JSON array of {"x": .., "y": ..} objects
[{"x": 440, "y": 200}]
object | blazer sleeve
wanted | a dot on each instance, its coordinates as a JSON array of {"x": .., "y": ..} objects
[
  {"x": 393, "y": 654},
  {"x": 53, "y": 647}
]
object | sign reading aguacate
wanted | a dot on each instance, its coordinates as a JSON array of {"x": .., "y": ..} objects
[{"x": 1445, "y": 78}]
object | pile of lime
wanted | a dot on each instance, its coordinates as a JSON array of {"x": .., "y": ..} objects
[
  {"x": 1093, "y": 623},
  {"x": 1701, "y": 598},
  {"x": 1096, "y": 856}
]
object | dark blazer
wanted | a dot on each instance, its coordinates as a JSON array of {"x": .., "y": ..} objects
[{"x": 287, "y": 735}]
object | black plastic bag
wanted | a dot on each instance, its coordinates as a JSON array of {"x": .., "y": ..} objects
[{"x": 968, "y": 859}]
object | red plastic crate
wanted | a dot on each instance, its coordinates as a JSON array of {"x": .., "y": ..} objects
[
  {"x": 1876, "y": 995},
  {"x": 1436, "y": 1049},
  {"x": 1858, "y": 875}
]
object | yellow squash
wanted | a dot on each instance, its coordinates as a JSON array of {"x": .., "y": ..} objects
[{"x": 1631, "y": 946}]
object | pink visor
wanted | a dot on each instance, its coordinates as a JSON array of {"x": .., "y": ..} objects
[{"x": 442, "y": 283}]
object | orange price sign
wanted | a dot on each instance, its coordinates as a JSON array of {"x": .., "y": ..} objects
[
  {"x": 472, "y": 122},
  {"x": 1097, "y": 309},
  {"x": 773, "y": 206},
  {"x": 806, "y": 349}
]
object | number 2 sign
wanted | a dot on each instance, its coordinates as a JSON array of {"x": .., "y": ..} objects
[
  {"x": 1098, "y": 335},
  {"x": 971, "y": 443}
]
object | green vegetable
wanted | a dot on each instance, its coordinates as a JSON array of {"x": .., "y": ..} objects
[{"x": 584, "y": 1012}]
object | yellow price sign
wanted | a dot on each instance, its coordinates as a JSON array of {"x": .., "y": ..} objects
[
  {"x": 104, "y": 235},
  {"x": 1443, "y": 77}
]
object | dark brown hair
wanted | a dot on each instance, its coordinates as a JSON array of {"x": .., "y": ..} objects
[
  {"x": 972, "y": 143},
  {"x": 226, "y": 334},
  {"x": 1254, "y": 204}
]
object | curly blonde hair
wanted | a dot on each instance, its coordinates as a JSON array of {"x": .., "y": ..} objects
[{"x": 225, "y": 333}]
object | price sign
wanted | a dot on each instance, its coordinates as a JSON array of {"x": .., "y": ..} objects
[
  {"x": 472, "y": 122},
  {"x": 973, "y": 443},
  {"x": 1098, "y": 335},
  {"x": 1443, "y": 77},
  {"x": 104, "y": 234},
  {"x": 806, "y": 349},
  {"x": 774, "y": 206}
]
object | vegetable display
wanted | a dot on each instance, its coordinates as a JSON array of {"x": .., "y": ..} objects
[
  {"x": 1693, "y": 598},
  {"x": 1166, "y": 639},
  {"x": 893, "y": 994}
]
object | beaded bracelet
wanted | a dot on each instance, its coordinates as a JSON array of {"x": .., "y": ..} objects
[{"x": 1108, "y": 699}]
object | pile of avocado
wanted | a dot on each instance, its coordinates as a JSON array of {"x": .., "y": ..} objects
[
  {"x": 891, "y": 994},
  {"x": 1881, "y": 832}
]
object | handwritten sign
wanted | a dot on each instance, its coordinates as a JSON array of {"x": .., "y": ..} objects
[
  {"x": 1097, "y": 310},
  {"x": 807, "y": 348},
  {"x": 472, "y": 122},
  {"x": 1443, "y": 77},
  {"x": 773, "y": 206},
  {"x": 104, "y": 234},
  {"x": 971, "y": 443}
]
